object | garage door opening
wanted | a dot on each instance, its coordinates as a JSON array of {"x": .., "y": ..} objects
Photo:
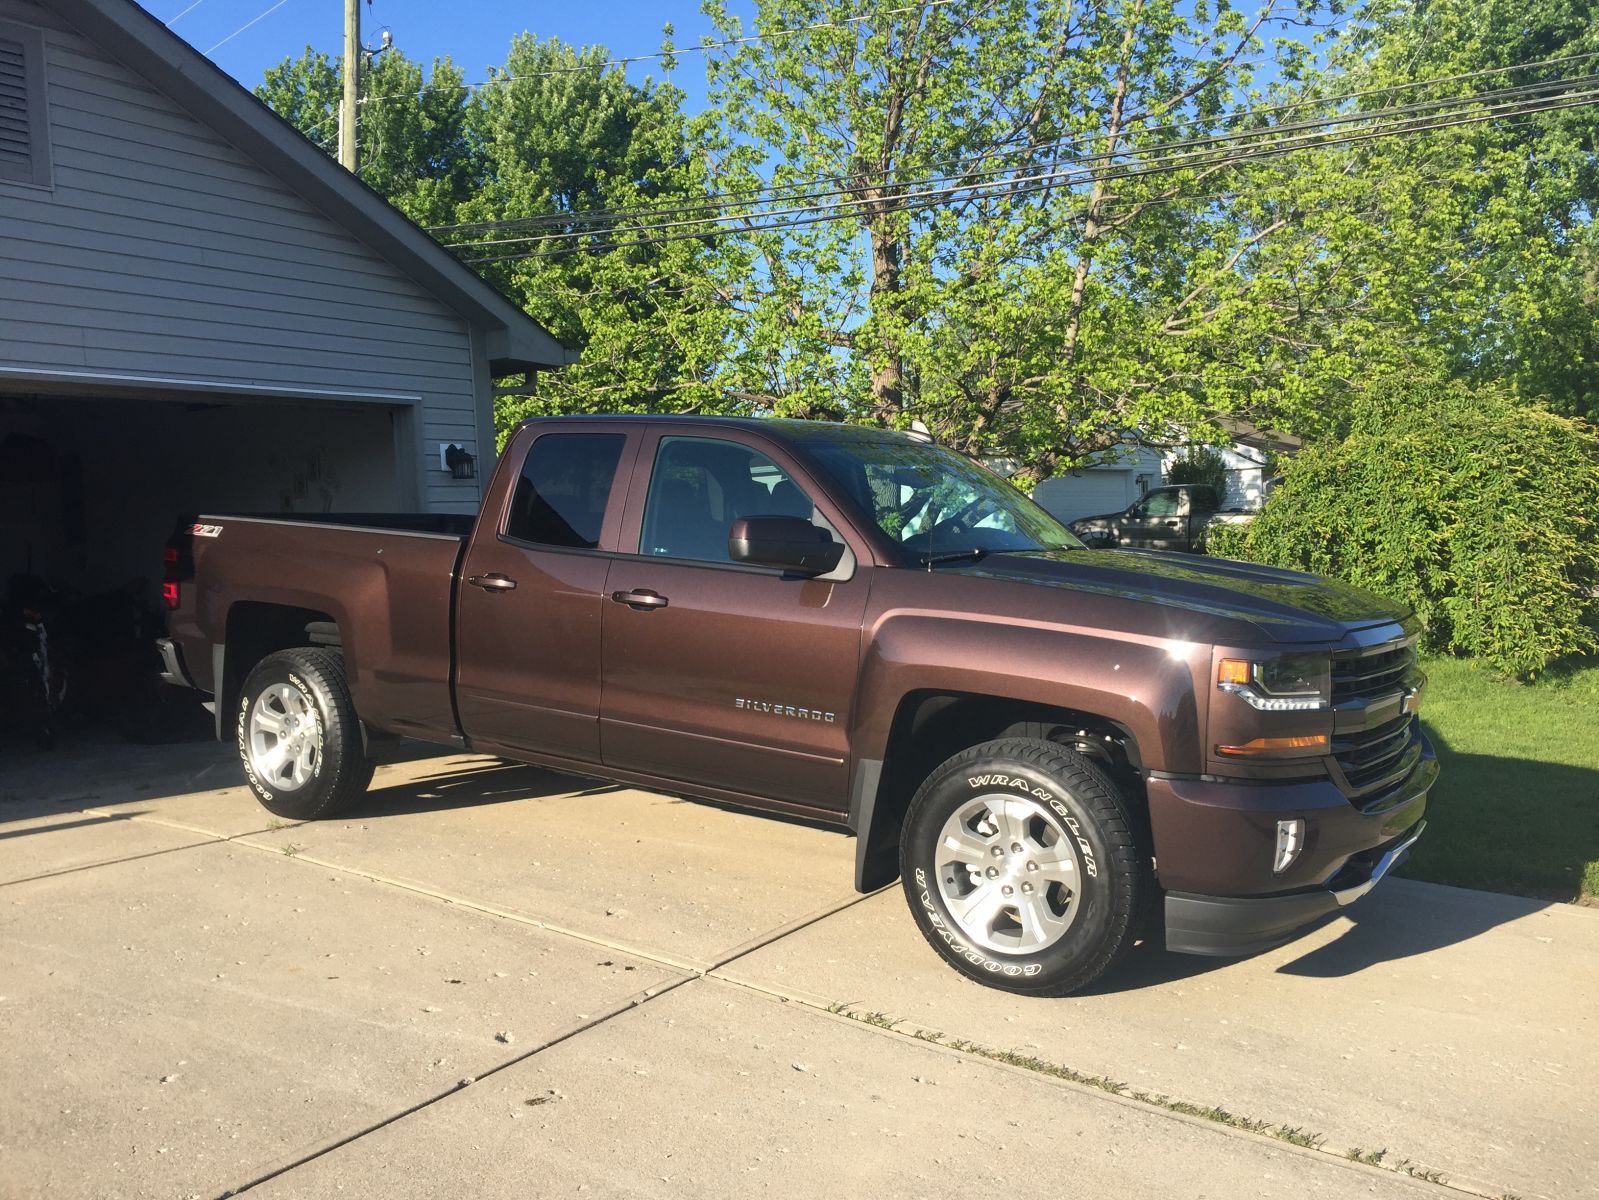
[{"x": 92, "y": 487}]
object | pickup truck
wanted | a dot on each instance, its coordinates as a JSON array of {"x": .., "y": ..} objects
[
  {"x": 1167, "y": 518},
  {"x": 1046, "y": 744}
]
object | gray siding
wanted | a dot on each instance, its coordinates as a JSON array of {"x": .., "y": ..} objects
[{"x": 162, "y": 251}]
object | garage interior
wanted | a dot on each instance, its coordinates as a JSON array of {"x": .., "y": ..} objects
[{"x": 92, "y": 486}]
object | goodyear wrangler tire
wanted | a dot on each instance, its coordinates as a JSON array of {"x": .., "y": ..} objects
[
  {"x": 298, "y": 735},
  {"x": 1022, "y": 869}
]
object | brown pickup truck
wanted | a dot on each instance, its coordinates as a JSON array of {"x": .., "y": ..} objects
[{"x": 1046, "y": 743}]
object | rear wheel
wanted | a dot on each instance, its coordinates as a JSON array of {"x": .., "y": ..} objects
[
  {"x": 298, "y": 735},
  {"x": 1022, "y": 869}
]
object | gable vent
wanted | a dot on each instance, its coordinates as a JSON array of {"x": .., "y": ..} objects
[
  {"x": 24, "y": 136},
  {"x": 16, "y": 154}
]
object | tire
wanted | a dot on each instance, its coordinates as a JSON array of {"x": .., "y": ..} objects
[
  {"x": 1041, "y": 820},
  {"x": 301, "y": 697}
]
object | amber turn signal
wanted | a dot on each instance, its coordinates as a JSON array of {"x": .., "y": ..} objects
[
  {"x": 1287, "y": 747},
  {"x": 1233, "y": 670}
]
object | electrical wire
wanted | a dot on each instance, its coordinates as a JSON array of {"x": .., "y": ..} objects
[
  {"x": 246, "y": 25},
  {"x": 1192, "y": 151},
  {"x": 184, "y": 13},
  {"x": 1268, "y": 151},
  {"x": 795, "y": 192}
]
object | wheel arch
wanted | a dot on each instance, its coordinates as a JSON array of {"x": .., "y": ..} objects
[
  {"x": 930, "y": 726},
  {"x": 255, "y": 629}
]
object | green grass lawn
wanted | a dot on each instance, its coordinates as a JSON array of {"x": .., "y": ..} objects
[{"x": 1517, "y": 806}]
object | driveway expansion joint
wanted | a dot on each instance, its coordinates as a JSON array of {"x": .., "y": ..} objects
[{"x": 1212, "y": 1117}]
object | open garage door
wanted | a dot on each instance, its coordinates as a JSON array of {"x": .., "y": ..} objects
[
  {"x": 90, "y": 490},
  {"x": 91, "y": 487}
]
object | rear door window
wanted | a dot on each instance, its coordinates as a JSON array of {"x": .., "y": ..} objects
[{"x": 561, "y": 494}]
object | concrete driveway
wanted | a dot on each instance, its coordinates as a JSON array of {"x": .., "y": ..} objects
[{"x": 495, "y": 981}]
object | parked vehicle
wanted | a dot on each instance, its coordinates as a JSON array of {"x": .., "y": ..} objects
[
  {"x": 1043, "y": 742},
  {"x": 1167, "y": 518}
]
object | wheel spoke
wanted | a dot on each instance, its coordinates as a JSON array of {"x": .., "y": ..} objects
[
  {"x": 978, "y": 908},
  {"x": 963, "y": 845},
  {"x": 1058, "y": 865},
  {"x": 1040, "y": 923}
]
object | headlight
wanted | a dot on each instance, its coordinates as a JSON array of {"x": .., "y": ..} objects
[{"x": 1287, "y": 683}]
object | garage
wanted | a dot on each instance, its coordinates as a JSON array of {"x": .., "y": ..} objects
[{"x": 200, "y": 311}]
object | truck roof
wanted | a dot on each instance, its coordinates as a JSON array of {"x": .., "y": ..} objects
[{"x": 785, "y": 428}]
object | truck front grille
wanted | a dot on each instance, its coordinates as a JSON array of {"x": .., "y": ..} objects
[
  {"x": 1362, "y": 674},
  {"x": 1373, "y": 761}
]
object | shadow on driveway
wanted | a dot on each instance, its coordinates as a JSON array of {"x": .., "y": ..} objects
[
  {"x": 489, "y": 781},
  {"x": 1400, "y": 919}
]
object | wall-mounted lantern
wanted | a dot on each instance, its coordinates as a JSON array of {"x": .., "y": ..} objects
[{"x": 458, "y": 461}]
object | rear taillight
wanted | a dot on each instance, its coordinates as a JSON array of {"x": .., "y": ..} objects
[{"x": 169, "y": 582}]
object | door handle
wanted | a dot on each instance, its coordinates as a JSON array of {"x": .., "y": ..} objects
[
  {"x": 642, "y": 600},
  {"x": 492, "y": 583}
]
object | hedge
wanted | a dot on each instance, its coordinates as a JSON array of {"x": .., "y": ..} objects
[{"x": 1480, "y": 511}]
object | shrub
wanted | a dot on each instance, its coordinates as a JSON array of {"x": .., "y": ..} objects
[
  {"x": 1479, "y": 511},
  {"x": 1201, "y": 465},
  {"x": 1227, "y": 541}
]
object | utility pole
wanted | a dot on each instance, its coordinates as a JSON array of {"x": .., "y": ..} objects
[{"x": 352, "y": 66}]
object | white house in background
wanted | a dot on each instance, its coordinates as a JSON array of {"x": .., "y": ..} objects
[
  {"x": 1119, "y": 477},
  {"x": 1109, "y": 484}
]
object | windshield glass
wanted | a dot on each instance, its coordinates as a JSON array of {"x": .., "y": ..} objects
[{"x": 935, "y": 503}]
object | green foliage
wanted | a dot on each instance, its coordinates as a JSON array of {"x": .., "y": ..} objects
[
  {"x": 1228, "y": 540},
  {"x": 1480, "y": 512},
  {"x": 1202, "y": 465}
]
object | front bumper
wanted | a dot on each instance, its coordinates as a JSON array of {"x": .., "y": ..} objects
[
  {"x": 1214, "y": 844},
  {"x": 1229, "y": 925}
]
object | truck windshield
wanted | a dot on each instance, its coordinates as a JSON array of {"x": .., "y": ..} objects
[{"x": 939, "y": 506}]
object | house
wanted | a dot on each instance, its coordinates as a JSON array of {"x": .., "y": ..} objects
[
  {"x": 200, "y": 311},
  {"x": 1110, "y": 482},
  {"x": 1116, "y": 479}
]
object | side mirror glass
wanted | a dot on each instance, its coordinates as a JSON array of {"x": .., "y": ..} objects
[{"x": 788, "y": 543}]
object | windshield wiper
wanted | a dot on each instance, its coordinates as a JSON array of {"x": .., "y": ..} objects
[{"x": 973, "y": 555}]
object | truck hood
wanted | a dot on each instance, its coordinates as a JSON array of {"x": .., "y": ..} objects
[{"x": 1286, "y": 606}]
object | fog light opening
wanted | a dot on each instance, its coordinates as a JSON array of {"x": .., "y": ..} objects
[{"x": 1290, "y": 841}]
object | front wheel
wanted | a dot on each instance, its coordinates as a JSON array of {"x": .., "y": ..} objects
[
  {"x": 298, "y": 735},
  {"x": 1022, "y": 867}
]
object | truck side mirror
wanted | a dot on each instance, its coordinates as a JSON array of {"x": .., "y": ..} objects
[{"x": 789, "y": 543}]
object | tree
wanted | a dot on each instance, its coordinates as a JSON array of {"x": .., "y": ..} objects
[
  {"x": 413, "y": 136},
  {"x": 1001, "y": 275},
  {"x": 563, "y": 137}
]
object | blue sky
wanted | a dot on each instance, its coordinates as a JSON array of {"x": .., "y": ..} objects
[{"x": 475, "y": 33}]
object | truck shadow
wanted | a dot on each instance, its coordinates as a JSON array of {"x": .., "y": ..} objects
[
  {"x": 487, "y": 781},
  {"x": 1401, "y": 919}
]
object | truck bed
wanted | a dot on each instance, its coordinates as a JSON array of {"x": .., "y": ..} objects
[{"x": 397, "y": 569}]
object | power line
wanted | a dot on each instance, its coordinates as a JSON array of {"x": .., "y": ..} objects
[
  {"x": 1081, "y": 171},
  {"x": 843, "y": 23},
  {"x": 184, "y": 13},
  {"x": 789, "y": 193},
  {"x": 1267, "y": 151},
  {"x": 246, "y": 25}
]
